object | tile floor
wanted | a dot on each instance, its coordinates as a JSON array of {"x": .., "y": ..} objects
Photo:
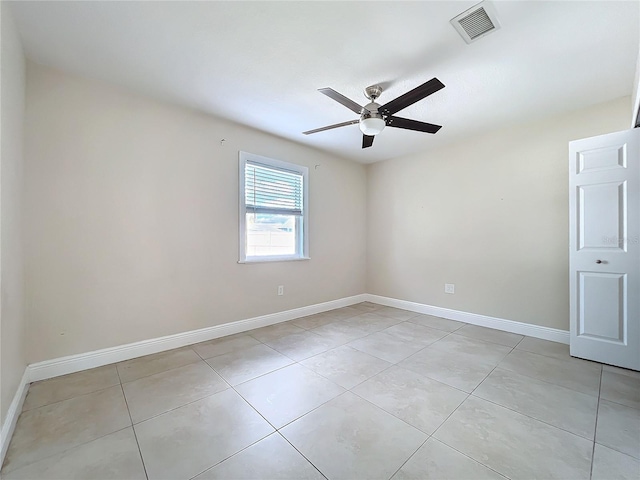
[{"x": 362, "y": 392}]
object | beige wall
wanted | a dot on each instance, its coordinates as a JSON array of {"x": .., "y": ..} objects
[
  {"x": 132, "y": 221},
  {"x": 489, "y": 215},
  {"x": 12, "y": 99}
]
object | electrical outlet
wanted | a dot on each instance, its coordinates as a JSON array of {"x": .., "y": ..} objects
[
  {"x": 280, "y": 289},
  {"x": 449, "y": 288}
]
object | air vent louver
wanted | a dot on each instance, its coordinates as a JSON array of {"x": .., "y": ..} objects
[{"x": 476, "y": 22}]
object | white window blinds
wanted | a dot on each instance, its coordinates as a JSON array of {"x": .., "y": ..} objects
[{"x": 272, "y": 190}]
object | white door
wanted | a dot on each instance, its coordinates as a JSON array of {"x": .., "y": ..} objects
[{"x": 604, "y": 258}]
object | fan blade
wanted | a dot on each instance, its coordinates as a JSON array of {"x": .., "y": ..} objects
[
  {"x": 367, "y": 140},
  {"x": 329, "y": 127},
  {"x": 338, "y": 97},
  {"x": 411, "y": 97},
  {"x": 408, "y": 124}
]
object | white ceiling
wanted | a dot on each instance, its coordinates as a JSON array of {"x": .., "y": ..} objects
[{"x": 260, "y": 63}]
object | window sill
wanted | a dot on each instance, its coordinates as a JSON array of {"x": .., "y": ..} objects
[{"x": 273, "y": 259}]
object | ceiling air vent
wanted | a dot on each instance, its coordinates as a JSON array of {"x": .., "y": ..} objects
[{"x": 475, "y": 23}]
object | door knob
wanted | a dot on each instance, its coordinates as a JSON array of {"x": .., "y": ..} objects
[{"x": 598, "y": 261}]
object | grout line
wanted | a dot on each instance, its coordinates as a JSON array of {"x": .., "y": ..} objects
[
  {"x": 449, "y": 416},
  {"x": 515, "y": 411},
  {"x": 410, "y": 457},
  {"x": 521, "y": 340},
  {"x": 276, "y": 429},
  {"x": 180, "y": 406},
  {"x": 531, "y": 417},
  {"x": 326, "y": 314},
  {"x": 310, "y": 356},
  {"x": 303, "y": 455},
  {"x": 144, "y": 465},
  {"x": 462, "y": 403},
  {"x": 593, "y": 362},
  {"x": 207, "y": 396},
  {"x": 162, "y": 371},
  {"x": 436, "y": 328},
  {"x": 5, "y": 471},
  {"x": 522, "y": 413},
  {"x": 334, "y": 398},
  {"x": 378, "y": 407},
  {"x": 492, "y": 370},
  {"x": 621, "y": 404},
  {"x": 595, "y": 428},
  {"x": 232, "y": 350},
  {"x": 354, "y": 349},
  {"x": 313, "y": 409},
  {"x": 448, "y": 334},
  {"x": 431, "y": 378},
  {"x": 546, "y": 381},
  {"x": 293, "y": 362},
  {"x": 635, "y": 459},
  {"x": 450, "y": 446},
  {"x": 469, "y": 337},
  {"x": 577, "y": 361},
  {"x": 300, "y": 416},
  {"x": 135, "y": 435},
  {"x": 372, "y": 376},
  {"x": 87, "y": 442},
  {"x": 100, "y": 389},
  {"x": 232, "y": 455},
  {"x": 471, "y": 458},
  {"x": 232, "y": 387}
]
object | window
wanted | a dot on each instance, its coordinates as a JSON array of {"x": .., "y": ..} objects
[{"x": 273, "y": 210}]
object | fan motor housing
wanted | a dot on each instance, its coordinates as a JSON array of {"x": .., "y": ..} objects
[{"x": 371, "y": 111}]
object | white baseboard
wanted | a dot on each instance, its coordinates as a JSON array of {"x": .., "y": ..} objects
[
  {"x": 13, "y": 413},
  {"x": 546, "y": 333},
  {"x": 106, "y": 356}
]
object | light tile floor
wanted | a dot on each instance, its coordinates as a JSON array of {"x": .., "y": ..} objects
[{"x": 361, "y": 392}]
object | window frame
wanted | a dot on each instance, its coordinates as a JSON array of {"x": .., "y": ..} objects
[{"x": 302, "y": 234}]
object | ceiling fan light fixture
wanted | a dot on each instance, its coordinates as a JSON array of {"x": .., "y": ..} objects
[
  {"x": 372, "y": 125},
  {"x": 374, "y": 117}
]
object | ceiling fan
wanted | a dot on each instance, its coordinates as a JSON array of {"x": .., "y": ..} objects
[{"x": 374, "y": 117}]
